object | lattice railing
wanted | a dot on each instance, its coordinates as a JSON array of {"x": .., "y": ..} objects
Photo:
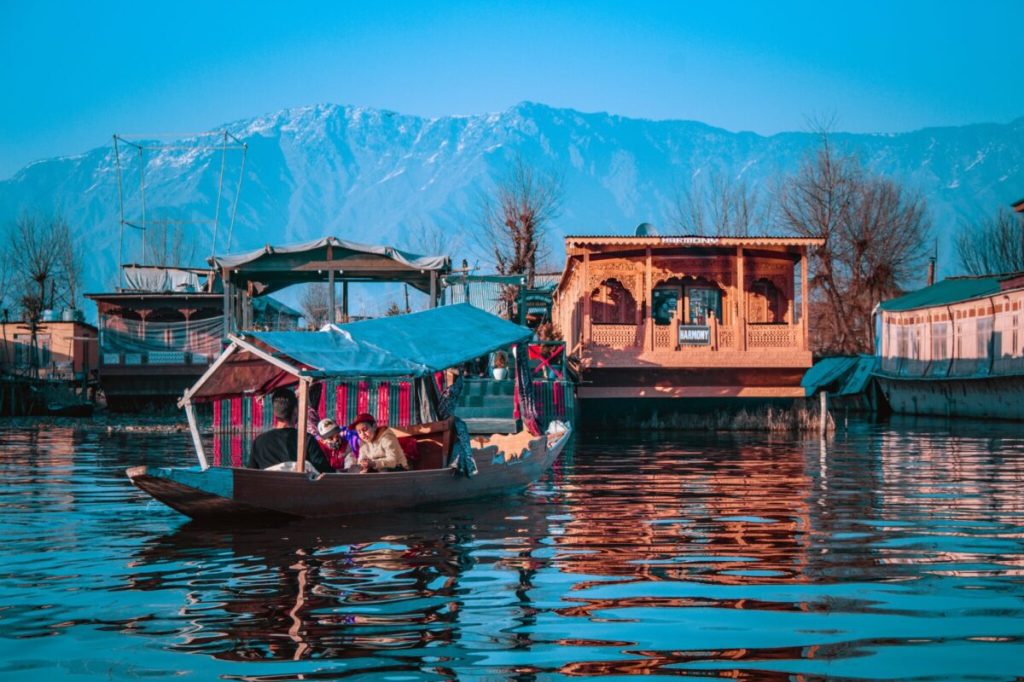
[
  {"x": 771, "y": 336},
  {"x": 664, "y": 337},
  {"x": 726, "y": 338},
  {"x": 615, "y": 335}
]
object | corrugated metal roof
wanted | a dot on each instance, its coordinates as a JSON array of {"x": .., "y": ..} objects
[
  {"x": 950, "y": 290},
  {"x": 696, "y": 240}
]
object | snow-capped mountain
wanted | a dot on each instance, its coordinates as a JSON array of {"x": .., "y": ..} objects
[{"x": 381, "y": 177}]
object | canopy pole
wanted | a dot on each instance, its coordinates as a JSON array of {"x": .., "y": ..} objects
[
  {"x": 433, "y": 288},
  {"x": 344, "y": 301},
  {"x": 333, "y": 317},
  {"x": 196, "y": 440},
  {"x": 300, "y": 462}
]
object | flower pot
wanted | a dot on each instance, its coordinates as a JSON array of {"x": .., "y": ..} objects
[{"x": 499, "y": 373}]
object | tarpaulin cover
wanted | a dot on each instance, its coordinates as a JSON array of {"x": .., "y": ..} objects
[
  {"x": 404, "y": 345},
  {"x": 161, "y": 279},
  {"x": 412, "y": 260}
]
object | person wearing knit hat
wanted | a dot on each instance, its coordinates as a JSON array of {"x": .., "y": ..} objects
[{"x": 379, "y": 449}]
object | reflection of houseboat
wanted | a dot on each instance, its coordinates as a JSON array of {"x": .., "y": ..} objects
[
  {"x": 653, "y": 317},
  {"x": 955, "y": 348}
]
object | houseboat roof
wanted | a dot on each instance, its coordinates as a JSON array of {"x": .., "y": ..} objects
[
  {"x": 690, "y": 240},
  {"x": 410, "y": 345},
  {"x": 953, "y": 290},
  {"x": 274, "y": 267}
]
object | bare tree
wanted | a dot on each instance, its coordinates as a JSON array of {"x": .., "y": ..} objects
[
  {"x": 6, "y": 274},
  {"x": 46, "y": 262},
  {"x": 516, "y": 215},
  {"x": 169, "y": 247},
  {"x": 995, "y": 246},
  {"x": 718, "y": 204},
  {"x": 316, "y": 305},
  {"x": 874, "y": 232},
  {"x": 431, "y": 239}
]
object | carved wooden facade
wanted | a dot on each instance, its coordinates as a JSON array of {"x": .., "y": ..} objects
[{"x": 658, "y": 304}]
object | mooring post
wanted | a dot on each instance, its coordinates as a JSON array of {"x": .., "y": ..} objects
[{"x": 823, "y": 414}]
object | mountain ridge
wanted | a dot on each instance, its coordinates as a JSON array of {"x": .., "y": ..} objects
[{"x": 379, "y": 176}]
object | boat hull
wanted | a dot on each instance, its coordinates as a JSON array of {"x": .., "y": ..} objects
[
  {"x": 221, "y": 493},
  {"x": 993, "y": 397}
]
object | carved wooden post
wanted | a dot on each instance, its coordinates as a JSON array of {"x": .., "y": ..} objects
[
  {"x": 804, "y": 299},
  {"x": 586, "y": 299},
  {"x": 649, "y": 293},
  {"x": 741, "y": 301}
]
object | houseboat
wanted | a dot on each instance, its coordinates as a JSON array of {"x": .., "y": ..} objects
[
  {"x": 955, "y": 349},
  {"x": 656, "y": 320}
]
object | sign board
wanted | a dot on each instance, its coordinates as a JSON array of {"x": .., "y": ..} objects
[{"x": 694, "y": 335}]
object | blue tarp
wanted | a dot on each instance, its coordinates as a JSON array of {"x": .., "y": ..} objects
[
  {"x": 404, "y": 345},
  {"x": 840, "y": 375}
]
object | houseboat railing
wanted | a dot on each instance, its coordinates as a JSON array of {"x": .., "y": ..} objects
[
  {"x": 664, "y": 337},
  {"x": 547, "y": 359}
]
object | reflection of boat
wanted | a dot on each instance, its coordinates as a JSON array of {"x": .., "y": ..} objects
[
  {"x": 414, "y": 347},
  {"x": 344, "y": 588}
]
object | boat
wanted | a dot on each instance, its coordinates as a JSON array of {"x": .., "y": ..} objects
[
  {"x": 955, "y": 348},
  {"x": 419, "y": 348}
]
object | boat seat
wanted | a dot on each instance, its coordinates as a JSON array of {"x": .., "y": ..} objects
[{"x": 433, "y": 443}]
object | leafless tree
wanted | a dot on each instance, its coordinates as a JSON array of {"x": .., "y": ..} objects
[
  {"x": 169, "y": 247},
  {"x": 46, "y": 264},
  {"x": 429, "y": 238},
  {"x": 874, "y": 232},
  {"x": 994, "y": 246},
  {"x": 515, "y": 217},
  {"x": 316, "y": 305},
  {"x": 718, "y": 204},
  {"x": 6, "y": 274}
]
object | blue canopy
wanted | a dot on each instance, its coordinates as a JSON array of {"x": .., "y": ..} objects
[
  {"x": 413, "y": 345},
  {"x": 404, "y": 345}
]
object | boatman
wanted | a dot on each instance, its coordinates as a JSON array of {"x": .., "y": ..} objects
[{"x": 281, "y": 443}]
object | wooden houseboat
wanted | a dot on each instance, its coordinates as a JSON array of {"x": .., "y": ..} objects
[
  {"x": 955, "y": 348},
  {"x": 654, "y": 318}
]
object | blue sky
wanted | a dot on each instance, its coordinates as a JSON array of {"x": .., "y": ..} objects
[{"x": 73, "y": 73}]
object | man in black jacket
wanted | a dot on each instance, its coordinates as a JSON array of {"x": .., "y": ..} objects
[{"x": 281, "y": 443}]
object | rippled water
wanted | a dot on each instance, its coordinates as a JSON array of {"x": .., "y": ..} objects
[{"x": 895, "y": 552}]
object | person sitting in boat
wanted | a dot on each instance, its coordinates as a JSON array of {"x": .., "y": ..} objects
[
  {"x": 336, "y": 445},
  {"x": 281, "y": 444},
  {"x": 379, "y": 449}
]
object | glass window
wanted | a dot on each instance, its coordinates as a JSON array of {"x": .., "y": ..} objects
[
  {"x": 705, "y": 303},
  {"x": 665, "y": 300}
]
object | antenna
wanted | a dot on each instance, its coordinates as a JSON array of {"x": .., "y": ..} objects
[{"x": 178, "y": 151}]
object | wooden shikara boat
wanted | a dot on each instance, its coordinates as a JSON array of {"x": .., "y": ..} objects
[{"x": 411, "y": 346}]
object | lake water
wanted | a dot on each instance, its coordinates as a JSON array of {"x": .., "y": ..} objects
[{"x": 895, "y": 551}]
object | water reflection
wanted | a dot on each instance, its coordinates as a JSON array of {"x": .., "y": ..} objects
[
  {"x": 348, "y": 589},
  {"x": 893, "y": 551}
]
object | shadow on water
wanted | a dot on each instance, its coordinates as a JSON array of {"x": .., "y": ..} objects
[{"x": 893, "y": 551}]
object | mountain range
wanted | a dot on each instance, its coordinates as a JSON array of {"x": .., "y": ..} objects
[{"x": 381, "y": 177}]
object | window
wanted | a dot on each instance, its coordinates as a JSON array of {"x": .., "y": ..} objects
[
  {"x": 704, "y": 303},
  {"x": 984, "y": 337},
  {"x": 766, "y": 304},
  {"x": 665, "y": 301},
  {"x": 610, "y": 303},
  {"x": 940, "y": 340}
]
